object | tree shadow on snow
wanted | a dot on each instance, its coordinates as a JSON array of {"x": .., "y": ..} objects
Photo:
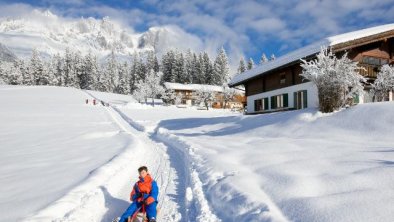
[{"x": 114, "y": 205}]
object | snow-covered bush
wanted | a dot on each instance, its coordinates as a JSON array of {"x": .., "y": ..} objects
[
  {"x": 337, "y": 79},
  {"x": 384, "y": 83}
]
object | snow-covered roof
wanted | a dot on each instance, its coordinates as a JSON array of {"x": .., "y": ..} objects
[
  {"x": 192, "y": 87},
  {"x": 308, "y": 51}
]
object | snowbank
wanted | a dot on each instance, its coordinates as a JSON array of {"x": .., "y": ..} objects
[{"x": 291, "y": 166}]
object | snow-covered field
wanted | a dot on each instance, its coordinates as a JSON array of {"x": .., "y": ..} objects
[
  {"x": 292, "y": 166},
  {"x": 63, "y": 160}
]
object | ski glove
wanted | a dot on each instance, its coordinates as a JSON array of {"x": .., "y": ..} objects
[{"x": 149, "y": 200}]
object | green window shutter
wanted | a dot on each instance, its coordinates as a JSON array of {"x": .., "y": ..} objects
[
  {"x": 295, "y": 100},
  {"x": 305, "y": 94},
  {"x": 265, "y": 103},
  {"x": 273, "y": 102},
  {"x": 285, "y": 100}
]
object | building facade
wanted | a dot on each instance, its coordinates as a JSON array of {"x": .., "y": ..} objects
[
  {"x": 186, "y": 94},
  {"x": 277, "y": 85}
]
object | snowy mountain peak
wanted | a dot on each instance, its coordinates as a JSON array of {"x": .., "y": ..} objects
[{"x": 51, "y": 34}]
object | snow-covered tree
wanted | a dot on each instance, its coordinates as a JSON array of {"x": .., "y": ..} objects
[
  {"x": 179, "y": 69},
  {"x": 57, "y": 69},
  {"x": 36, "y": 69},
  {"x": 337, "y": 79},
  {"x": 273, "y": 57},
  {"x": 152, "y": 62},
  {"x": 111, "y": 72},
  {"x": 241, "y": 66},
  {"x": 70, "y": 76},
  {"x": 152, "y": 82},
  {"x": 228, "y": 95},
  {"x": 150, "y": 87},
  {"x": 263, "y": 59},
  {"x": 90, "y": 72},
  {"x": 190, "y": 66},
  {"x": 205, "y": 96},
  {"x": 168, "y": 64},
  {"x": 133, "y": 73},
  {"x": 221, "y": 73},
  {"x": 250, "y": 64},
  {"x": 10, "y": 73},
  {"x": 207, "y": 69},
  {"x": 123, "y": 84},
  {"x": 169, "y": 96},
  {"x": 200, "y": 70},
  {"x": 384, "y": 83}
]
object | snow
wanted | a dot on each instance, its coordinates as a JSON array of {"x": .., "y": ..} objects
[
  {"x": 308, "y": 51},
  {"x": 291, "y": 166},
  {"x": 63, "y": 160},
  {"x": 50, "y": 141}
]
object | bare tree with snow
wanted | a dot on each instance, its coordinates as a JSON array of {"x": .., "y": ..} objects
[
  {"x": 337, "y": 79},
  {"x": 228, "y": 95},
  {"x": 152, "y": 82},
  {"x": 204, "y": 95}
]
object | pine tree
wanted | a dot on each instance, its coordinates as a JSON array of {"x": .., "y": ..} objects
[
  {"x": 272, "y": 57},
  {"x": 79, "y": 67},
  {"x": 197, "y": 69},
  {"x": 190, "y": 66},
  {"x": 36, "y": 69},
  {"x": 200, "y": 67},
  {"x": 133, "y": 77},
  {"x": 221, "y": 68},
  {"x": 241, "y": 66},
  {"x": 152, "y": 61},
  {"x": 263, "y": 59},
  {"x": 70, "y": 76},
  {"x": 90, "y": 72},
  {"x": 57, "y": 66},
  {"x": 111, "y": 72},
  {"x": 123, "y": 84},
  {"x": 168, "y": 63},
  {"x": 179, "y": 69},
  {"x": 208, "y": 69},
  {"x": 250, "y": 64}
]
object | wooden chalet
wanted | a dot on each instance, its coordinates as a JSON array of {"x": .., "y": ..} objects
[
  {"x": 277, "y": 85},
  {"x": 186, "y": 94}
]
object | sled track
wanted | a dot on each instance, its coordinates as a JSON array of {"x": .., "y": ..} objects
[{"x": 191, "y": 209}]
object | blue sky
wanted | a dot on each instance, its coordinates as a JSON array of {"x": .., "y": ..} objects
[{"x": 244, "y": 27}]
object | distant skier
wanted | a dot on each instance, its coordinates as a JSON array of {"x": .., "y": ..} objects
[{"x": 144, "y": 196}]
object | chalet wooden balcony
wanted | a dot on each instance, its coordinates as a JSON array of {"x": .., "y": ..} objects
[{"x": 369, "y": 71}]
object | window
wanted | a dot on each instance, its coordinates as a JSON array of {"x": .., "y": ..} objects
[
  {"x": 261, "y": 104},
  {"x": 258, "y": 105},
  {"x": 279, "y": 101},
  {"x": 300, "y": 99},
  {"x": 374, "y": 61},
  {"x": 282, "y": 78}
]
